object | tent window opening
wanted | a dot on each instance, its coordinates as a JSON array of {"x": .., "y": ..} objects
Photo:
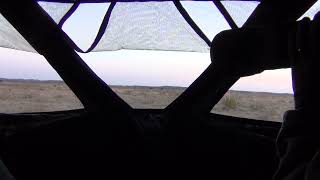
[
  {"x": 265, "y": 96},
  {"x": 29, "y": 84}
]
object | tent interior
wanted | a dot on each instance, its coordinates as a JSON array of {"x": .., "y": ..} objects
[{"x": 110, "y": 139}]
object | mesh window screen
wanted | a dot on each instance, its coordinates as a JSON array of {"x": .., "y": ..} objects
[
  {"x": 10, "y": 37},
  {"x": 149, "y": 26},
  {"x": 56, "y": 10},
  {"x": 83, "y": 25},
  {"x": 207, "y": 16},
  {"x": 240, "y": 10}
]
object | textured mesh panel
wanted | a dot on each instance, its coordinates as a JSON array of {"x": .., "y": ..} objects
[
  {"x": 149, "y": 26},
  {"x": 207, "y": 16},
  {"x": 55, "y": 10},
  {"x": 10, "y": 37},
  {"x": 239, "y": 10},
  {"x": 83, "y": 26},
  {"x": 144, "y": 25}
]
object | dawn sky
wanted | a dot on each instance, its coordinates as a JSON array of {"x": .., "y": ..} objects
[{"x": 136, "y": 67}]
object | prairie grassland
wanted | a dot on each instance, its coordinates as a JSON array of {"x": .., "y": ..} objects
[{"x": 36, "y": 96}]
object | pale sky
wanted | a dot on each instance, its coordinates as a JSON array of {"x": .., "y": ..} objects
[{"x": 136, "y": 67}]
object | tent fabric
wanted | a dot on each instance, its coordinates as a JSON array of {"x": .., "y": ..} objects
[
  {"x": 143, "y": 25},
  {"x": 56, "y": 10},
  {"x": 100, "y": 33},
  {"x": 11, "y": 38},
  {"x": 150, "y": 26},
  {"x": 226, "y": 14},
  {"x": 240, "y": 11}
]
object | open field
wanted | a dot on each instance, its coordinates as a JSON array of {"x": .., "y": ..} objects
[{"x": 38, "y": 96}]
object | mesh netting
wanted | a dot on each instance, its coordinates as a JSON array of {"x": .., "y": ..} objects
[
  {"x": 56, "y": 10},
  {"x": 240, "y": 10},
  {"x": 150, "y": 26},
  {"x": 154, "y": 25},
  {"x": 207, "y": 16},
  {"x": 11, "y": 38},
  {"x": 83, "y": 26}
]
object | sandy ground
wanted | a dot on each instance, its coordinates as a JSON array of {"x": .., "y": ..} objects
[{"x": 28, "y": 96}]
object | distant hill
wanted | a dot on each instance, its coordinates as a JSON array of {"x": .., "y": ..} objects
[{"x": 133, "y": 86}]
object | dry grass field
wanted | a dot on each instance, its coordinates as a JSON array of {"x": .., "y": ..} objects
[{"x": 36, "y": 96}]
